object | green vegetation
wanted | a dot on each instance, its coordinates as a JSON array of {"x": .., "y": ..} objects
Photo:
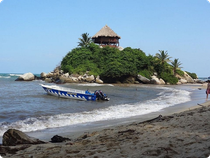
[
  {"x": 85, "y": 40},
  {"x": 110, "y": 63},
  {"x": 169, "y": 78},
  {"x": 193, "y": 75},
  {"x": 176, "y": 65},
  {"x": 114, "y": 65}
]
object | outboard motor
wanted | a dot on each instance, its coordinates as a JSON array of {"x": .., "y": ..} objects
[{"x": 100, "y": 95}]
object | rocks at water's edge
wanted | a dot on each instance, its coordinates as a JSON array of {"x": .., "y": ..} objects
[
  {"x": 155, "y": 80},
  {"x": 15, "y": 140},
  {"x": 57, "y": 76},
  {"x": 26, "y": 77},
  {"x": 98, "y": 80},
  {"x": 60, "y": 78},
  {"x": 143, "y": 79},
  {"x": 14, "y": 137}
]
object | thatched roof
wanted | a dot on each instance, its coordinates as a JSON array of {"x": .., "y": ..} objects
[{"x": 106, "y": 31}]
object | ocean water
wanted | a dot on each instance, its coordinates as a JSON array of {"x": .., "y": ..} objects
[{"x": 27, "y": 107}]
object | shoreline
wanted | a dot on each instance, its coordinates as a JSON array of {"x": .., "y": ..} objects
[
  {"x": 71, "y": 130},
  {"x": 183, "y": 134},
  {"x": 47, "y": 134},
  {"x": 125, "y": 139}
]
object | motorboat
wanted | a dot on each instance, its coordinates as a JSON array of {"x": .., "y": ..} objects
[{"x": 70, "y": 93}]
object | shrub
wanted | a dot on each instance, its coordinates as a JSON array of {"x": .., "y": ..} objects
[
  {"x": 193, "y": 75},
  {"x": 169, "y": 78},
  {"x": 115, "y": 65},
  {"x": 146, "y": 73},
  {"x": 180, "y": 72}
]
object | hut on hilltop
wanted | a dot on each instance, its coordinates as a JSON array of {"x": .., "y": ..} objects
[{"x": 106, "y": 37}]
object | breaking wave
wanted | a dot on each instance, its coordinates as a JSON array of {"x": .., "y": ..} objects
[{"x": 166, "y": 98}]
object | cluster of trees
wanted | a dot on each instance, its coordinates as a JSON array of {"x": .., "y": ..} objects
[{"x": 114, "y": 65}]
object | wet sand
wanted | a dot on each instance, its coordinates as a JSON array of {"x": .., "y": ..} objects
[{"x": 183, "y": 134}]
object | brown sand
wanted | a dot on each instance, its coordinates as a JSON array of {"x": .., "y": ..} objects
[{"x": 185, "y": 134}]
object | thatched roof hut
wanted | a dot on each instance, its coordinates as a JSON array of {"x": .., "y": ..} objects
[{"x": 106, "y": 36}]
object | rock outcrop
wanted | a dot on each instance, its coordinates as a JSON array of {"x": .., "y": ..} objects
[
  {"x": 143, "y": 79},
  {"x": 26, "y": 77},
  {"x": 185, "y": 79},
  {"x": 199, "y": 81},
  {"x": 182, "y": 81},
  {"x": 156, "y": 80},
  {"x": 98, "y": 80},
  {"x": 59, "y": 77},
  {"x": 188, "y": 78},
  {"x": 14, "y": 137},
  {"x": 68, "y": 79},
  {"x": 43, "y": 75},
  {"x": 88, "y": 78}
]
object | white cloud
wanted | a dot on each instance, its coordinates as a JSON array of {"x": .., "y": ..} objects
[
  {"x": 208, "y": 1},
  {"x": 1, "y": 1}
]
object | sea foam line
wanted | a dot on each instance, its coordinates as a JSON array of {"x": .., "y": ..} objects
[
  {"x": 5, "y": 77},
  {"x": 15, "y": 74},
  {"x": 168, "y": 97},
  {"x": 94, "y": 84}
]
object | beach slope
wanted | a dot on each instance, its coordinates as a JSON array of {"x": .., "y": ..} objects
[{"x": 184, "y": 134}]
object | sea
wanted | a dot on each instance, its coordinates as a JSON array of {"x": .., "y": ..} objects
[{"x": 25, "y": 106}]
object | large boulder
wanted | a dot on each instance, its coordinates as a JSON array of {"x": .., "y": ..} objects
[
  {"x": 14, "y": 137},
  {"x": 185, "y": 78},
  {"x": 188, "y": 78},
  {"x": 69, "y": 79},
  {"x": 80, "y": 78},
  {"x": 48, "y": 80},
  {"x": 156, "y": 80},
  {"x": 183, "y": 81},
  {"x": 143, "y": 79},
  {"x": 26, "y": 77},
  {"x": 66, "y": 75},
  {"x": 43, "y": 75},
  {"x": 162, "y": 81},
  {"x": 98, "y": 80},
  {"x": 74, "y": 79},
  {"x": 50, "y": 74},
  {"x": 199, "y": 81},
  {"x": 90, "y": 78}
]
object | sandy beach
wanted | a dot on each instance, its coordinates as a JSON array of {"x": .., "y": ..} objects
[{"x": 184, "y": 134}]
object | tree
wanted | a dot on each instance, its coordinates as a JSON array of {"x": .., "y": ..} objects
[
  {"x": 176, "y": 65},
  {"x": 163, "y": 57},
  {"x": 114, "y": 65},
  {"x": 85, "y": 40}
]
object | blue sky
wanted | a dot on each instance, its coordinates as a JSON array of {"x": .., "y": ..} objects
[{"x": 35, "y": 35}]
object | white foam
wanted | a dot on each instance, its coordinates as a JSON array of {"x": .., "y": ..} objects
[
  {"x": 94, "y": 84},
  {"x": 5, "y": 77},
  {"x": 168, "y": 97},
  {"x": 10, "y": 75},
  {"x": 15, "y": 74}
]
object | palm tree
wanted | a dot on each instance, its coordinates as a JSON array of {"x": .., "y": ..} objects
[
  {"x": 163, "y": 57},
  {"x": 176, "y": 65},
  {"x": 85, "y": 40}
]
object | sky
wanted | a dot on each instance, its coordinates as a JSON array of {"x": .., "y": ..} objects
[{"x": 35, "y": 35}]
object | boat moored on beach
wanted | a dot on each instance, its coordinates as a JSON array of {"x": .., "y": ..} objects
[{"x": 70, "y": 93}]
